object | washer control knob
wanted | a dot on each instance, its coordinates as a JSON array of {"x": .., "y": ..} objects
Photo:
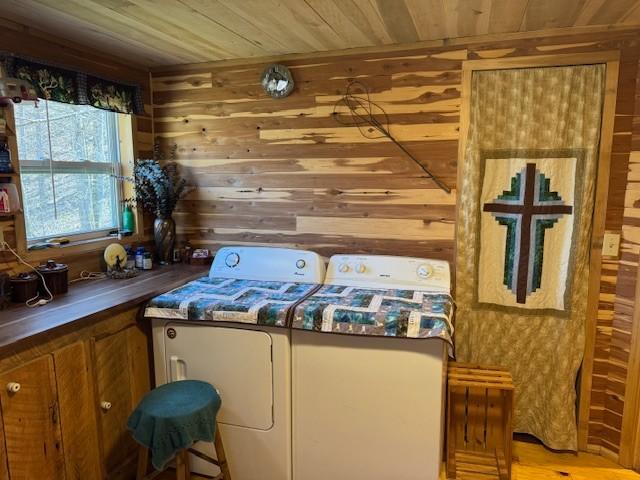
[
  {"x": 232, "y": 260},
  {"x": 360, "y": 268},
  {"x": 301, "y": 263},
  {"x": 344, "y": 268},
  {"x": 425, "y": 271}
]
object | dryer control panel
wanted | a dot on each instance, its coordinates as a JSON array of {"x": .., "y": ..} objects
[
  {"x": 268, "y": 263},
  {"x": 389, "y": 272}
]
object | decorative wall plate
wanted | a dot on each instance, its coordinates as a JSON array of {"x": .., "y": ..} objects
[{"x": 277, "y": 81}]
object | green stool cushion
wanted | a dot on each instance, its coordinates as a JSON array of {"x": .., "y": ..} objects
[{"x": 174, "y": 416}]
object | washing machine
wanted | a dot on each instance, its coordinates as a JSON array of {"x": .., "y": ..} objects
[
  {"x": 369, "y": 359},
  {"x": 231, "y": 329}
]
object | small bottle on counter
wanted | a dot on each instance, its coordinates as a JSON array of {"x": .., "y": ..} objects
[
  {"x": 188, "y": 251},
  {"x": 139, "y": 260},
  {"x": 147, "y": 263},
  {"x": 131, "y": 258}
]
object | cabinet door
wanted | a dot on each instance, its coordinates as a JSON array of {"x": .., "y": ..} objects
[
  {"x": 78, "y": 421},
  {"x": 122, "y": 377},
  {"x": 4, "y": 467},
  {"x": 31, "y": 424}
]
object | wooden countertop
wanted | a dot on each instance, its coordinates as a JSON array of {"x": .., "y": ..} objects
[{"x": 91, "y": 297}]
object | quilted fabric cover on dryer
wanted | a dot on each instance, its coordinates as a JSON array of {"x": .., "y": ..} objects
[
  {"x": 376, "y": 312},
  {"x": 230, "y": 300}
]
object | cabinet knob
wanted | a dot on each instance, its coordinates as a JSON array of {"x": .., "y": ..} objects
[
  {"x": 13, "y": 387},
  {"x": 105, "y": 405}
]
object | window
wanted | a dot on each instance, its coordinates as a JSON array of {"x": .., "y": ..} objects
[{"x": 68, "y": 155}]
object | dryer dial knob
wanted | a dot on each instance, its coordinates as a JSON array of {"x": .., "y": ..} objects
[
  {"x": 232, "y": 260},
  {"x": 425, "y": 271},
  {"x": 344, "y": 268},
  {"x": 360, "y": 268},
  {"x": 301, "y": 264}
]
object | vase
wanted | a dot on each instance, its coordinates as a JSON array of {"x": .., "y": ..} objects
[{"x": 164, "y": 233}]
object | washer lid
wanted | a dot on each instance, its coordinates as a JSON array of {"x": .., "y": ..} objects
[{"x": 237, "y": 362}]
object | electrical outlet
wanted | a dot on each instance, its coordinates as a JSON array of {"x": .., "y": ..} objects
[{"x": 610, "y": 244}]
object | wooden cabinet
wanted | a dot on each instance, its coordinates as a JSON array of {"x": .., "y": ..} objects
[
  {"x": 66, "y": 418},
  {"x": 31, "y": 421},
  {"x": 122, "y": 377},
  {"x": 77, "y": 412},
  {"x": 115, "y": 357}
]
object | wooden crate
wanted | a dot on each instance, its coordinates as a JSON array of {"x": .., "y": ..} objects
[
  {"x": 479, "y": 420},
  {"x": 481, "y": 466}
]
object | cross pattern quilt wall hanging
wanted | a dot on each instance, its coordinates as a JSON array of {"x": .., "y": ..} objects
[
  {"x": 523, "y": 235},
  {"x": 527, "y": 211}
]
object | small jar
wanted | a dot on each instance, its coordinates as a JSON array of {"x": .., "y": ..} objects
[
  {"x": 147, "y": 263},
  {"x": 140, "y": 258},
  {"x": 131, "y": 259}
]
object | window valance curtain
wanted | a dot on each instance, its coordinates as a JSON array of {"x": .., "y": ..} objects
[{"x": 68, "y": 86}]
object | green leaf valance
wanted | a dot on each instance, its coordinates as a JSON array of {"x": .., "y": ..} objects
[{"x": 68, "y": 86}]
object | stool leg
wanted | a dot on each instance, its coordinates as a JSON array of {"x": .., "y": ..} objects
[
  {"x": 187, "y": 469},
  {"x": 143, "y": 461},
  {"x": 182, "y": 466},
  {"x": 222, "y": 458}
]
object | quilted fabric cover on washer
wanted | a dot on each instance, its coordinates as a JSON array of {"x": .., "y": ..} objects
[
  {"x": 230, "y": 300},
  {"x": 377, "y": 312}
]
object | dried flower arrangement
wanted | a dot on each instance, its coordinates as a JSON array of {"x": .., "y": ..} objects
[{"x": 158, "y": 187}]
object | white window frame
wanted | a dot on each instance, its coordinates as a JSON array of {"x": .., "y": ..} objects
[{"x": 82, "y": 167}]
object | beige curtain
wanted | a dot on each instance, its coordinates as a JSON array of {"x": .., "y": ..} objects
[{"x": 530, "y": 110}]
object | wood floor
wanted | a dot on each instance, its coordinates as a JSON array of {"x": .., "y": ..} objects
[{"x": 534, "y": 462}]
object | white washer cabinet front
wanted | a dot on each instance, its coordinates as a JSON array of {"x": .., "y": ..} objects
[
  {"x": 367, "y": 408},
  {"x": 250, "y": 366}
]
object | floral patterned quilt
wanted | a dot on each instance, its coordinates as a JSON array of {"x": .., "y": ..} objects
[
  {"x": 231, "y": 300},
  {"x": 377, "y": 312}
]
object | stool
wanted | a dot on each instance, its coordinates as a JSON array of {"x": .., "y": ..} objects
[
  {"x": 479, "y": 416},
  {"x": 170, "y": 419}
]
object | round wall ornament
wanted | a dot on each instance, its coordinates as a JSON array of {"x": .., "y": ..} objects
[{"x": 277, "y": 81}]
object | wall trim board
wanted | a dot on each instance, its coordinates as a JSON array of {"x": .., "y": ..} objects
[
  {"x": 586, "y": 58},
  {"x": 444, "y": 44}
]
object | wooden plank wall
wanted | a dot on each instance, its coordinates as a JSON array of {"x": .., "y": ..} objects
[
  {"x": 619, "y": 276},
  {"x": 283, "y": 172},
  {"x": 618, "y": 326},
  {"x": 22, "y": 40}
]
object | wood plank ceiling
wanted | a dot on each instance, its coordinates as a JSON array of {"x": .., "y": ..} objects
[{"x": 165, "y": 32}]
